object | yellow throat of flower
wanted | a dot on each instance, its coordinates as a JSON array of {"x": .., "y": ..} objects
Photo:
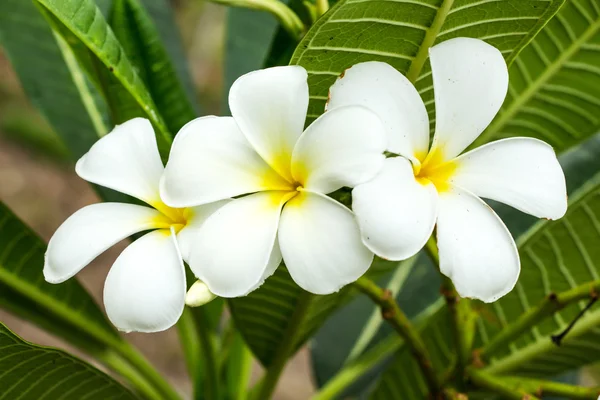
[
  {"x": 432, "y": 168},
  {"x": 171, "y": 217}
]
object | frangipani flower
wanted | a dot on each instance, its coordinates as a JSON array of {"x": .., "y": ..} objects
[
  {"x": 280, "y": 176},
  {"x": 145, "y": 288},
  {"x": 423, "y": 186}
]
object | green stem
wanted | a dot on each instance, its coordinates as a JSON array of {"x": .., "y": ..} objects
[
  {"x": 267, "y": 385},
  {"x": 493, "y": 384},
  {"x": 146, "y": 370},
  {"x": 461, "y": 311},
  {"x": 322, "y": 6},
  {"x": 400, "y": 322},
  {"x": 547, "y": 388},
  {"x": 546, "y": 308},
  {"x": 208, "y": 352},
  {"x": 285, "y": 15},
  {"x": 125, "y": 370},
  {"x": 190, "y": 341}
]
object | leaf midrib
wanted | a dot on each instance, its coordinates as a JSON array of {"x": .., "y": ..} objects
[{"x": 533, "y": 89}]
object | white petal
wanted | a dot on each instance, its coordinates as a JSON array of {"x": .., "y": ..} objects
[
  {"x": 476, "y": 250},
  {"x": 270, "y": 108},
  {"x": 343, "y": 147},
  {"x": 195, "y": 216},
  {"x": 145, "y": 288},
  {"x": 125, "y": 160},
  {"x": 320, "y": 243},
  {"x": 272, "y": 264},
  {"x": 236, "y": 242},
  {"x": 521, "y": 172},
  {"x": 89, "y": 232},
  {"x": 211, "y": 160},
  {"x": 387, "y": 92},
  {"x": 396, "y": 214},
  {"x": 470, "y": 81}
]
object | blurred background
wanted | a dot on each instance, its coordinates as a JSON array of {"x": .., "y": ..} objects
[{"x": 38, "y": 182}]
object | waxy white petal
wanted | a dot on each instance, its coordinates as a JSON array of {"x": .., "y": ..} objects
[
  {"x": 521, "y": 172},
  {"x": 396, "y": 214},
  {"x": 270, "y": 107},
  {"x": 211, "y": 160},
  {"x": 470, "y": 81},
  {"x": 321, "y": 244},
  {"x": 145, "y": 288},
  {"x": 344, "y": 147},
  {"x": 236, "y": 242},
  {"x": 125, "y": 160},
  {"x": 476, "y": 250},
  {"x": 89, "y": 232},
  {"x": 388, "y": 93}
]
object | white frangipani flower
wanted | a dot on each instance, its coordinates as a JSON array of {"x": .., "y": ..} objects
[
  {"x": 397, "y": 211},
  {"x": 262, "y": 152},
  {"x": 145, "y": 288}
]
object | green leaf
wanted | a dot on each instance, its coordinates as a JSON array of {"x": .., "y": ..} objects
[
  {"x": 66, "y": 310},
  {"x": 248, "y": 41},
  {"x": 85, "y": 20},
  {"x": 28, "y": 371},
  {"x": 401, "y": 32},
  {"x": 143, "y": 45},
  {"x": 52, "y": 80},
  {"x": 554, "y": 92}
]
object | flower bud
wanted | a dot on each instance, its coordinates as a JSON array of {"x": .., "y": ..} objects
[{"x": 198, "y": 295}]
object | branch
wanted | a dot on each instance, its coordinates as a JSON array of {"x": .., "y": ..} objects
[
  {"x": 546, "y": 388},
  {"x": 490, "y": 383},
  {"x": 550, "y": 305},
  {"x": 398, "y": 320},
  {"x": 288, "y": 18},
  {"x": 462, "y": 314}
]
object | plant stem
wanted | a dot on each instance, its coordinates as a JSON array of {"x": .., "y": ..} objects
[
  {"x": 322, "y": 6},
  {"x": 547, "y": 388},
  {"x": 267, "y": 385},
  {"x": 285, "y": 15},
  {"x": 116, "y": 363},
  {"x": 190, "y": 341},
  {"x": 358, "y": 367},
  {"x": 208, "y": 352},
  {"x": 398, "y": 320},
  {"x": 546, "y": 308},
  {"x": 146, "y": 370},
  {"x": 490, "y": 383},
  {"x": 461, "y": 311}
]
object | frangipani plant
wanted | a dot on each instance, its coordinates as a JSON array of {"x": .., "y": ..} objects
[{"x": 392, "y": 75}]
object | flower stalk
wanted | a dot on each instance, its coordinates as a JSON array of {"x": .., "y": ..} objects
[
  {"x": 400, "y": 322},
  {"x": 547, "y": 388},
  {"x": 546, "y": 308},
  {"x": 285, "y": 15},
  {"x": 491, "y": 383},
  {"x": 461, "y": 311}
]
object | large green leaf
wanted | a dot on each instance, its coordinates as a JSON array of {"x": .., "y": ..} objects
[
  {"x": 30, "y": 372},
  {"x": 401, "y": 32},
  {"x": 52, "y": 80},
  {"x": 85, "y": 21},
  {"x": 554, "y": 89}
]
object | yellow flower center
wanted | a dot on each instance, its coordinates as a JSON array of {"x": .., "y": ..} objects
[
  {"x": 171, "y": 217},
  {"x": 433, "y": 168}
]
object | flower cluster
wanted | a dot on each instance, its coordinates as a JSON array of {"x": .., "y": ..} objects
[{"x": 241, "y": 194}]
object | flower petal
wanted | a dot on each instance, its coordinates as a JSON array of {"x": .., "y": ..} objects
[
  {"x": 195, "y": 216},
  {"x": 396, "y": 214},
  {"x": 476, "y": 250},
  {"x": 521, "y": 172},
  {"x": 270, "y": 107},
  {"x": 470, "y": 81},
  {"x": 236, "y": 242},
  {"x": 145, "y": 288},
  {"x": 384, "y": 90},
  {"x": 125, "y": 160},
  {"x": 211, "y": 160},
  {"x": 89, "y": 232},
  {"x": 320, "y": 243},
  {"x": 343, "y": 147}
]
